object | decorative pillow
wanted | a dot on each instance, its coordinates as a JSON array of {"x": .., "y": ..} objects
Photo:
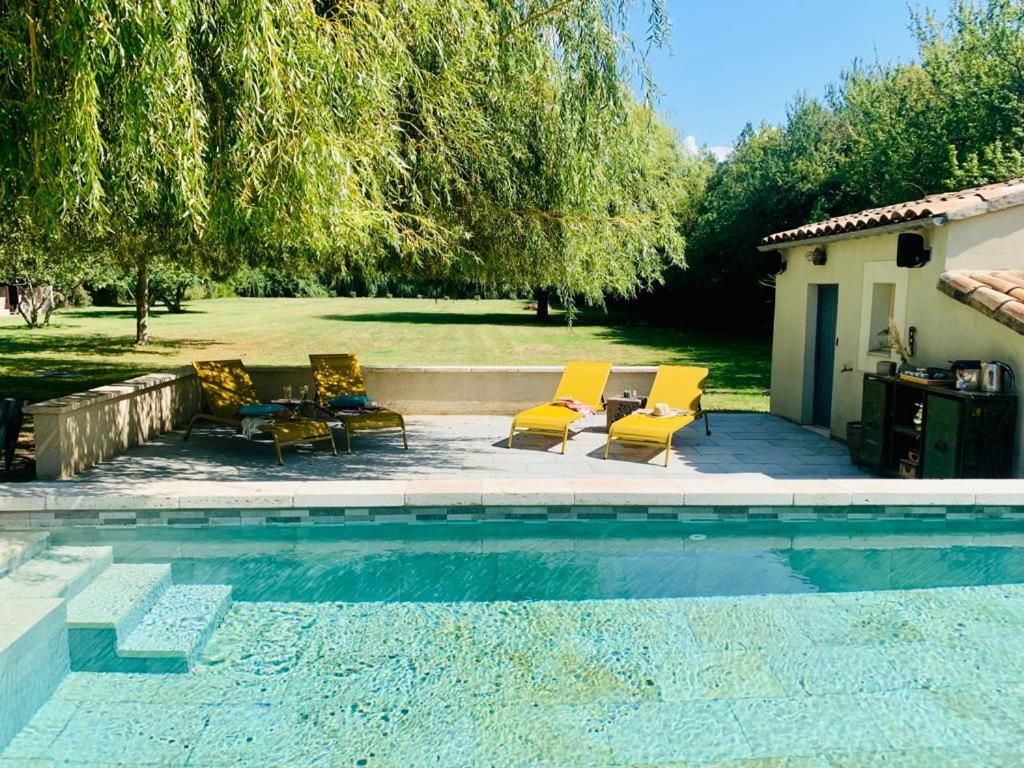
[
  {"x": 261, "y": 409},
  {"x": 349, "y": 401}
]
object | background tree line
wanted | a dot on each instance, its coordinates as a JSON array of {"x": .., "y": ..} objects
[{"x": 884, "y": 133}]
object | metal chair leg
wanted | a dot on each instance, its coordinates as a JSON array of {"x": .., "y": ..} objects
[
  {"x": 511, "y": 433},
  {"x": 565, "y": 438},
  {"x": 348, "y": 439},
  {"x": 607, "y": 446},
  {"x": 334, "y": 448},
  {"x": 191, "y": 423},
  {"x": 405, "y": 437},
  {"x": 668, "y": 449},
  {"x": 707, "y": 424},
  {"x": 277, "y": 447}
]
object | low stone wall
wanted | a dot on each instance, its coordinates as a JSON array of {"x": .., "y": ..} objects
[
  {"x": 452, "y": 390},
  {"x": 79, "y": 431}
]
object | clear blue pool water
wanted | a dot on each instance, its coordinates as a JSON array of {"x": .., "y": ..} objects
[
  {"x": 576, "y": 644},
  {"x": 593, "y": 560}
]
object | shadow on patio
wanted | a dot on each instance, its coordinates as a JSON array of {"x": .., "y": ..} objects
[{"x": 747, "y": 445}]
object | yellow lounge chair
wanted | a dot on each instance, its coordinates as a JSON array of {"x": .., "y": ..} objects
[
  {"x": 681, "y": 388},
  {"x": 336, "y": 375},
  {"x": 228, "y": 387},
  {"x": 583, "y": 381}
]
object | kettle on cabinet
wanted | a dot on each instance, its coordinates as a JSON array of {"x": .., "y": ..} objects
[{"x": 996, "y": 376}]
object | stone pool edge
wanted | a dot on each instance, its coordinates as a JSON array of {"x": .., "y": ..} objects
[{"x": 206, "y": 502}]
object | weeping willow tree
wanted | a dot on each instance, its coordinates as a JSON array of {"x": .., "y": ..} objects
[{"x": 496, "y": 140}]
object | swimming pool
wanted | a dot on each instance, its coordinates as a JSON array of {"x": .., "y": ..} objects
[{"x": 579, "y": 643}]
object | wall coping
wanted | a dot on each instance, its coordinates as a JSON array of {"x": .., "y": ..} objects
[
  {"x": 151, "y": 381},
  {"x": 109, "y": 392}
]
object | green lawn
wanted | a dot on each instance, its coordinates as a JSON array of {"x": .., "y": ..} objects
[{"x": 83, "y": 348}]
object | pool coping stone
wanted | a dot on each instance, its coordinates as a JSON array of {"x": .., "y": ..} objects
[{"x": 71, "y": 501}]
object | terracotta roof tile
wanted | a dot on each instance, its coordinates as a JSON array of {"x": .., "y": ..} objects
[
  {"x": 1001, "y": 284},
  {"x": 1015, "y": 311},
  {"x": 997, "y": 293},
  {"x": 962, "y": 204}
]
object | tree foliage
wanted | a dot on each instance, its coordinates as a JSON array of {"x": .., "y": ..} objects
[
  {"x": 885, "y": 133},
  {"x": 492, "y": 140}
]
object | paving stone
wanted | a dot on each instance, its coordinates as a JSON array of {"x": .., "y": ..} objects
[{"x": 446, "y": 447}]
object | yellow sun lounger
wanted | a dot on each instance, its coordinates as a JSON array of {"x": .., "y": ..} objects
[
  {"x": 681, "y": 388},
  {"x": 228, "y": 387},
  {"x": 583, "y": 381},
  {"x": 339, "y": 375}
]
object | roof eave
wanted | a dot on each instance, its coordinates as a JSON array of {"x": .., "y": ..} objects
[{"x": 902, "y": 226}]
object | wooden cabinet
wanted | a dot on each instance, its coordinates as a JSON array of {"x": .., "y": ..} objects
[
  {"x": 948, "y": 433},
  {"x": 942, "y": 436},
  {"x": 874, "y": 424}
]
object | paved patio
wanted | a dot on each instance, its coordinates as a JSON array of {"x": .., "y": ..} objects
[{"x": 742, "y": 446}]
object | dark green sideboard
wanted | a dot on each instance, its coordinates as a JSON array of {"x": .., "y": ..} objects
[{"x": 953, "y": 434}]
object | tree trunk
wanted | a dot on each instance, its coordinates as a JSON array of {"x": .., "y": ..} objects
[
  {"x": 174, "y": 300},
  {"x": 49, "y": 303},
  {"x": 543, "y": 303},
  {"x": 142, "y": 302}
]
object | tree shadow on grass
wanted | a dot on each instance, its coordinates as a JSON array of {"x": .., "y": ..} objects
[
  {"x": 28, "y": 342},
  {"x": 449, "y": 318},
  {"x": 40, "y": 366},
  {"x": 120, "y": 313}
]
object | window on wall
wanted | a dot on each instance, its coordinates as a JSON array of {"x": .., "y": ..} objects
[{"x": 883, "y": 305}]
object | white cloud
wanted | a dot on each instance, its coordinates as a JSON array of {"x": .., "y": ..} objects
[
  {"x": 720, "y": 153},
  {"x": 692, "y": 148}
]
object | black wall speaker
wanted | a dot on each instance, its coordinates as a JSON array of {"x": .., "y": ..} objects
[
  {"x": 911, "y": 252},
  {"x": 818, "y": 257}
]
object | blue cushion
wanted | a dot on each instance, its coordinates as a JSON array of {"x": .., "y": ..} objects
[
  {"x": 348, "y": 401},
  {"x": 261, "y": 409}
]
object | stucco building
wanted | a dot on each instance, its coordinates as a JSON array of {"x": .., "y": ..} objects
[{"x": 840, "y": 286}]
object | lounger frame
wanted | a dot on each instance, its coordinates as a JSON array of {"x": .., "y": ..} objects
[
  {"x": 665, "y": 444},
  {"x": 562, "y": 434}
]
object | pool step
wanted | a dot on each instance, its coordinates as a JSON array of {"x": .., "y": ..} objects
[
  {"x": 56, "y": 572},
  {"x": 109, "y": 609},
  {"x": 124, "y": 617},
  {"x": 179, "y": 625},
  {"x": 119, "y": 597},
  {"x": 19, "y": 547},
  {"x": 33, "y": 658}
]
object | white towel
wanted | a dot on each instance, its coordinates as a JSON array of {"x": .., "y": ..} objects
[{"x": 251, "y": 425}]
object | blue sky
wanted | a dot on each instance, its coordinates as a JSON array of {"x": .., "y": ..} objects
[{"x": 734, "y": 61}]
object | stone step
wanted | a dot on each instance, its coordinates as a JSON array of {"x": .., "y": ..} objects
[
  {"x": 56, "y": 572},
  {"x": 17, "y": 547},
  {"x": 180, "y": 623},
  {"x": 119, "y": 597}
]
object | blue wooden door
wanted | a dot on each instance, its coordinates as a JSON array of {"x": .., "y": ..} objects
[{"x": 825, "y": 353}]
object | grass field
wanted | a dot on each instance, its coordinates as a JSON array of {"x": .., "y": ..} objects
[{"x": 87, "y": 347}]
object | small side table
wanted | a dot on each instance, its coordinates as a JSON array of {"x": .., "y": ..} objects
[{"x": 620, "y": 407}]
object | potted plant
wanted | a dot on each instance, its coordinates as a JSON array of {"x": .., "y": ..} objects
[{"x": 896, "y": 345}]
